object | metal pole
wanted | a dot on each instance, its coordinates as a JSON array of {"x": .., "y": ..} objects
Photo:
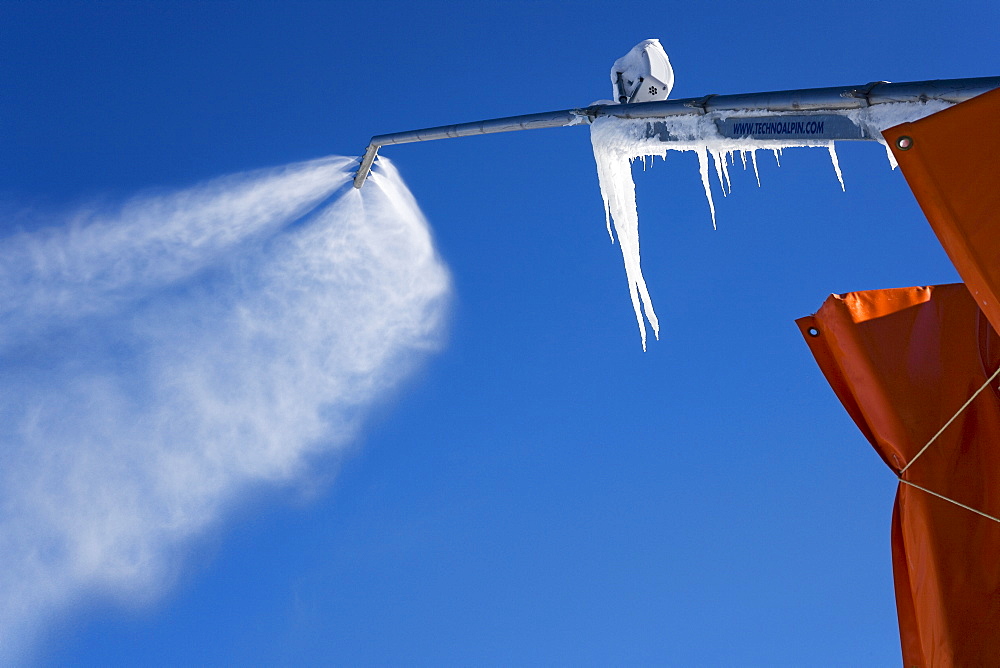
[
  {"x": 805, "y": 101},
  {"x": 552, "y": 119}
]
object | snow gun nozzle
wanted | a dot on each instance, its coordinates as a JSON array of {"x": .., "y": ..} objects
[{"x": 366, "y": 165}]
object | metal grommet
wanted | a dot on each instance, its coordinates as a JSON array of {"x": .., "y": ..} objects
[
  {"x": 813, "y": 331},
  {"x": 904, "y": 143}
]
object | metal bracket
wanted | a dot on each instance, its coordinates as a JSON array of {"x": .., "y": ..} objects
[
  {"x": 700, "y": 103},
  {"x": 620, "y": 83},
  {"x": 638, "y": 87},
  {"x": 865, "y": 93}
]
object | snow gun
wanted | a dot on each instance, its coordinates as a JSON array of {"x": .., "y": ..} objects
[{"x": 643, "y": 78}]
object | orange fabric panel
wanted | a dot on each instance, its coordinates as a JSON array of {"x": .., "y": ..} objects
[
  {"x": 902, "y": 362},
  {"x": 951, "y": 168}
]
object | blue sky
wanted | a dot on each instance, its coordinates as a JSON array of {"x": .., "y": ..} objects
[{"x": 539, "y": 491}]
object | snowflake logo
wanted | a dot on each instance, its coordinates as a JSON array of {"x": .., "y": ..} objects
[{"x": 652, "y": 90}]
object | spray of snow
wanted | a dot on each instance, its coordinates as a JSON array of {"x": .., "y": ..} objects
[
  {"x": 618, "y": 142},
  {"x": 162, "y": 359}
]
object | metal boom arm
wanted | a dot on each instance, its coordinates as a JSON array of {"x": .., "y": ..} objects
[{"x": 831, "y": 103}]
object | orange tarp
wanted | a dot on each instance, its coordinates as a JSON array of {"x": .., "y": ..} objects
[
  {"x": 903, "y": 362},
  {"x": 951, "y": 166}
]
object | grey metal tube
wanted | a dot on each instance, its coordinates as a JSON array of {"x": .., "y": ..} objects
[
  {"x": 551, "y": 119},
  {"x": 811, "y": 99},
  {"x": 804, "y": 100}
]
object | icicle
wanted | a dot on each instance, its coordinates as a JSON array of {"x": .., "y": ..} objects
[
  {"x": 618, "y": 141},
  {"x": 703, "y": 170},
  {"x": 836, "y": 165},
  {"x": 717, "y": 162},
  {"x": 725, "y": 171},
  {"x": 892, "y": 159},
  {"x": 618, "y": 190}
]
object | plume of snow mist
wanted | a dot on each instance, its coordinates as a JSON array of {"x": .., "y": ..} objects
[{"x": 160, "y": 360}]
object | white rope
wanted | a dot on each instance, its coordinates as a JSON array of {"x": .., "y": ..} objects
[
  {"x": 947, "y": 424},
  {"x": 935, "y": 437},
  {"x": 961, "y": 505}
]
